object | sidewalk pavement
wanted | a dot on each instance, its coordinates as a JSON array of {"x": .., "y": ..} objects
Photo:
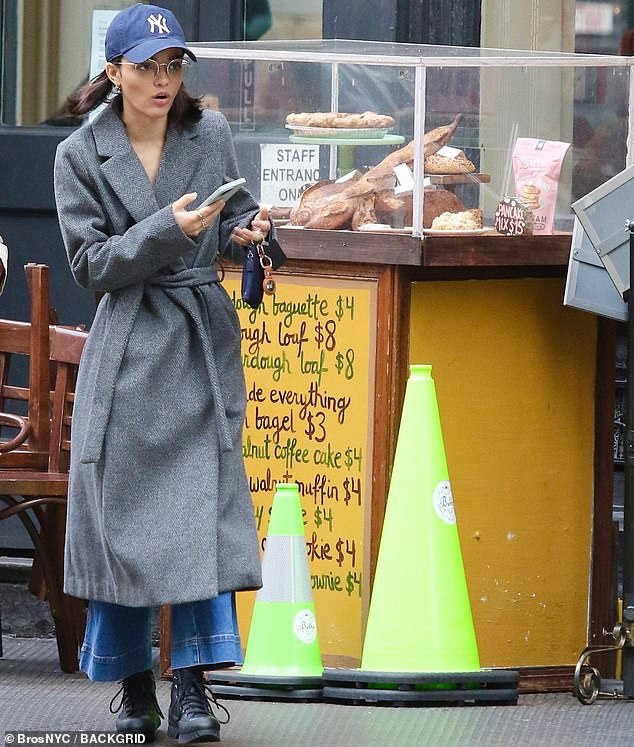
[{"x": 36, "y": 695}]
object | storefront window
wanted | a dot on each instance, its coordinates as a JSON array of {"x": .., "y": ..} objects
[{"x": 47, "y": 46}]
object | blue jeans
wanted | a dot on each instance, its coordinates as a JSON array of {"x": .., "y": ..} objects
[{"x": 118, "y": 640}]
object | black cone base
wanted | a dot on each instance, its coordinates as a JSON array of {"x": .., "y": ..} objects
[
  {"x": 234, "y": 684},
  {"x": 357, "y": 687}
]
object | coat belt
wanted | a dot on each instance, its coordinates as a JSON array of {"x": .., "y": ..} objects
[{"x": 126, "y": 305}]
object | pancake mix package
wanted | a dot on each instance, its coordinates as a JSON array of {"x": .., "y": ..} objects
[{"x": 536, "y": 168}]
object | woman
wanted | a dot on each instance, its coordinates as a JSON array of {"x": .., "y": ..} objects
[{"x": 159, "y": 509}]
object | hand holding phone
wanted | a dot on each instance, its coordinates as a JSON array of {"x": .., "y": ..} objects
[{"x": 224, "y": 192}]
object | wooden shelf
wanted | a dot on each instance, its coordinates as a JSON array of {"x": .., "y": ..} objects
[
  {"x": 493, "y": 253},
  {"x": 444, "y": 179},
  {"x": 496, "y": 250}
]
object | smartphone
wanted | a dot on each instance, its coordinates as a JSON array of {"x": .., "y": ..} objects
[{"x": 224, "y": 191}]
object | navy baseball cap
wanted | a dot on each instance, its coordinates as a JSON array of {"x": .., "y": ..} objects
[{"x": 140, "y": 31}]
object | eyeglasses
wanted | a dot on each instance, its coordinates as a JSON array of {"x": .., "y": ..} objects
[{"x": 152, "y": 68}]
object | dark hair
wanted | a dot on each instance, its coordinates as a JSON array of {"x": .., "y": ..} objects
[{"x": 185, "y": 109}]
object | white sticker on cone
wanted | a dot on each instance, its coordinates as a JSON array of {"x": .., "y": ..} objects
[
  {"x": 305, "y": 626},
  {"x": 443, "y": 502}
]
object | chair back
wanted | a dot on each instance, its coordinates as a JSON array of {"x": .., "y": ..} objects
[
  {"x": 26, "y": 407},
  {"x": 66, "y": 346}
]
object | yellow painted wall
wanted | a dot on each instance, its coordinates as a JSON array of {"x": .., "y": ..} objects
[{"x": 514, "y": 373}]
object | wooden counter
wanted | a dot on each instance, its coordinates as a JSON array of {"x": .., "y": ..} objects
[{"x": 513, "y": 260}]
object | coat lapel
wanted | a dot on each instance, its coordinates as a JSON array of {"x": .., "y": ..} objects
[
  {"x": 179, "y": 165},
  {"x": 122, "y": 168}
]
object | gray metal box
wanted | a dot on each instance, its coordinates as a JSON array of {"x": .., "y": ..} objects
[
  {"x": 603, "y": 214},
  {"x": 588, "y": 285}
]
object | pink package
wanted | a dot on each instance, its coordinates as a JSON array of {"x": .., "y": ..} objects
[{"x": 536, "y": 167}]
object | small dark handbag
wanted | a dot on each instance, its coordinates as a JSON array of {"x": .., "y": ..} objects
[{"x": 256, "y": 275}]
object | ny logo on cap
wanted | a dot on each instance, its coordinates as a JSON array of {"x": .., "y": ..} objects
[{"x": 158, "y": 24}]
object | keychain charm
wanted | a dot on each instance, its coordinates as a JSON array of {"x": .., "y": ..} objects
[{"x": 268, "y": 284}]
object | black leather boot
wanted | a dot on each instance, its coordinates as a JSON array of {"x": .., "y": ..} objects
[
  {"x": 190, "y": 718},
  {"x": 139, "y": 710}
]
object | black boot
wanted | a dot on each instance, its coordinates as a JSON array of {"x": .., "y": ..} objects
[
  {"x": 140, "y": 712},
  {"x": 190, "y": 718}
]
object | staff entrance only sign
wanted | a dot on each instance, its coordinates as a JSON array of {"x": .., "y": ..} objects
[{"x": 287, "y": 169}]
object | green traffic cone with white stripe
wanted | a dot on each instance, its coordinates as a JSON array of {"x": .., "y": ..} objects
[
  {"x": 283, "y": 637},
  {"x": 420, "y": 614}
]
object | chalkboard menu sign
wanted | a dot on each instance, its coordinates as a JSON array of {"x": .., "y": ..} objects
[{"x": 308, "y": 354}]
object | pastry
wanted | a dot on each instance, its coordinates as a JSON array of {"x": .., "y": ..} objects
[
  {"x": 341, "y": 120},
  {"x": 437, "y": 164},
  {"x": 465, "y": 220}
]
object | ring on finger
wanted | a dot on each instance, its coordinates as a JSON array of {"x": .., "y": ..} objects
[{"x": 202, "y": 219}]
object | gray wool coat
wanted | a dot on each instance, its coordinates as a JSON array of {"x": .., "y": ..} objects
[{"x": 159, "y": 509}]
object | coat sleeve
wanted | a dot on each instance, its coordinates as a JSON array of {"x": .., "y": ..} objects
[
  {"x": 241, "y": 208},
  {"x": 99, "y": 260}
]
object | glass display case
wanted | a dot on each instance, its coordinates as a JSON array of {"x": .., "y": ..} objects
[{"x": 435, "y": 130}]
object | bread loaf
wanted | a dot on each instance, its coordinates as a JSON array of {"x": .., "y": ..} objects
[
  {"x": 279, "y": 212},
  {"x": 437, "y": 164},
  {"x": 439, "y": 201},
  {"x": 392, "y": 208}
]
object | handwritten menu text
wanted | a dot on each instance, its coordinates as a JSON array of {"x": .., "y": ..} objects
[{"x": 308, "y": 357}]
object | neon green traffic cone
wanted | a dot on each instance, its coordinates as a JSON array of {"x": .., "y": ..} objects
[
  {"x": 283, "y": 636},
  {"x": 420, "y": 615}
]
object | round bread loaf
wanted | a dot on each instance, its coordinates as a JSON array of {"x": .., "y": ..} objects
[
  {"x": 438, "y": 201},
  {"x": 394, "y": 209}
]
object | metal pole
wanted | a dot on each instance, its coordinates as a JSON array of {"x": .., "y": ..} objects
[
  {"x": 628, "y": 478},
  {"x": 587, "y": 682}
]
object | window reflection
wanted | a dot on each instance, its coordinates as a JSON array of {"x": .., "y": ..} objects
[{"x": 290, "y": 19}]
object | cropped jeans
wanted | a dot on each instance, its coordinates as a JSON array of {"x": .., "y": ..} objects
[{"x": 118, "y": 640}]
